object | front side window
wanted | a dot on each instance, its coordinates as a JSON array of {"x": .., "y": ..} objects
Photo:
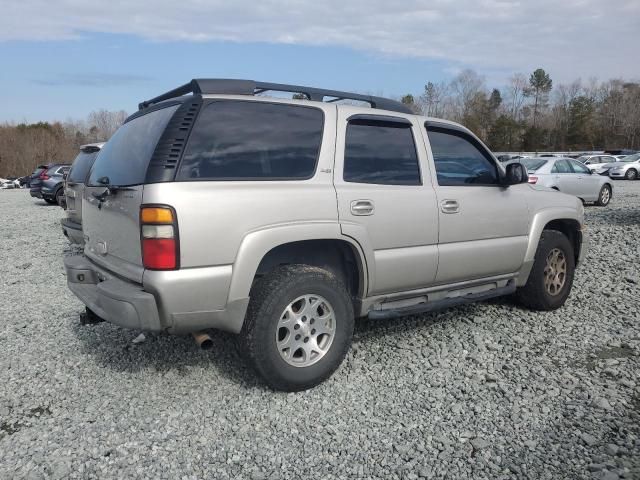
[
  {"x": 380, "y": 152},
  {"x": 459, "y": 160},
  {"x": 240, "y": 140}
]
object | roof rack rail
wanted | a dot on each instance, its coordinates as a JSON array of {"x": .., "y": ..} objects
[{"x": 249, "y": 87}]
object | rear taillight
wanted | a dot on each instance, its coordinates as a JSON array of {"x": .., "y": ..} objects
[
  {"x": 43, "y": 175},
  {"x": 533, "y": 179},
  {"x": 159, "y": 236}
]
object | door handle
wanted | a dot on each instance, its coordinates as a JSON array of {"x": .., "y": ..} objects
[
  {"x": 449, "y": 206},
  {"x": 362, "y": 207}
]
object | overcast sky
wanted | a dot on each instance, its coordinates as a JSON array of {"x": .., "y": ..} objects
[{"x": 63, "y": 58}]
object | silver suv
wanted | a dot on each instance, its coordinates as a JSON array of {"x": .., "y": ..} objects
[{"x": 282, "y": 220}]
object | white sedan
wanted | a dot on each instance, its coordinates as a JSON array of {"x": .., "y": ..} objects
[{"x": 569, "y": 176}]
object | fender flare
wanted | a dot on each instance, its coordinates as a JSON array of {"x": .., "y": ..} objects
[
  {"x": 540, "y": 220},
  {"x": 255, "y": 245}
]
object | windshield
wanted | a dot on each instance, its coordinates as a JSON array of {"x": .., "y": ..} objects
[
  {"x": 125, "y": 157},
  {"x": 532, "y": 164},
  {"x": 631, "y": 158}
]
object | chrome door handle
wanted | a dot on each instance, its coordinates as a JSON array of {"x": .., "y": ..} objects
[
  {"x": 449, "y": 206},
  {"x": 362, "y": 207}
]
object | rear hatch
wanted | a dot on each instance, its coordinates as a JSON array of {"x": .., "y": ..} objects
[
  {"x": 35, "y": 182},
  {"x": 74, "y": 183},
  {"x": 113, "y": 195}
]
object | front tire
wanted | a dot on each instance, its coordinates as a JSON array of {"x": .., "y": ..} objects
[
  {"x": 551, "y": 277},
  {"x": 604, "y": 197},
  {"x": 631, "y": 174},
  {"x": 298, "y": 327}
]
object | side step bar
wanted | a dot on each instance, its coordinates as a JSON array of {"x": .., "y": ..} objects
[{"x": 444, "y": 303}]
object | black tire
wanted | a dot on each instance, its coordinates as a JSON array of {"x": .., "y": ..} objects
[
  {"x": 534, "y": 294},
  {"x": 60, "y": 197},
  {"x": 50, "y": 201},
  {"x": 269, "y": 298},
  {"x": 631, "y": 174},
  {"x": 604, "y": 197}
]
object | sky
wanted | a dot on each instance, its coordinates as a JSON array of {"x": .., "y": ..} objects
[{"x": 61, "y": 59}]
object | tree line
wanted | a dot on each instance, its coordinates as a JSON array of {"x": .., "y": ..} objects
[
  {"x": 532, "y": 113},
  {"x": 24, "y": 146}
]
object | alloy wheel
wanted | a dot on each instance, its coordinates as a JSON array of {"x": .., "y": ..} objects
[{"x": 555, "y": 272}]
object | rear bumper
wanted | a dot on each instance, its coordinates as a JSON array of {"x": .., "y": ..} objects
[
  {"x": 72, "y": 230},
  {"x": 117, "y": 301},
  {"x": 35, "y": 192},
  {"x": 180, "y": 301}
]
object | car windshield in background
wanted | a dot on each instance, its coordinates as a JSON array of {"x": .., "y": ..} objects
[
  {"x": 125, "y": 157},
  {"x": 631, "y": 158},
  {"x": 532, "y": 164},
  {"x": 81, "y": 166}
]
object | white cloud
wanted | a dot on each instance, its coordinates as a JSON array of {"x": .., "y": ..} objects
[{"x": 569, "y": 38}]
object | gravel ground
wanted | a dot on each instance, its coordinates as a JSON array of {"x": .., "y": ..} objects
[{"x": 483, "y": 391}]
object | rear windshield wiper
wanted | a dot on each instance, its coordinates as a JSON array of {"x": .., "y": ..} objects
[{"x": 109, "y": 189}]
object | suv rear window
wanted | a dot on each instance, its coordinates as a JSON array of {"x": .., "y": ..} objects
[
  {"x": 125, "y": 157},
  {"x": 239, "y": 140},
  {"x": 80, "y": 167}
]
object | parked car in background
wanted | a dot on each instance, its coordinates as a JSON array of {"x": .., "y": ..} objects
[
  {"x": 569, "y": 176},
  {"x": 594, "y": 162},
  {"x": 627, "y": 168},
  {"x": 74, "y": 189},
  {"x": 49, "y": 183},
  {"x": 9, "y": 183},
  {"x": 281, "y": 220}
]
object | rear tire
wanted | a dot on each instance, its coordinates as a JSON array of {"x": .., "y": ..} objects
[
  {"x": 279, "y": 337},
  {"x": 551, "y": 277},
  {"x": 631, "y": 174},
  {"x": 604, "y": 197},
  {"x": 60, "y": 200}
]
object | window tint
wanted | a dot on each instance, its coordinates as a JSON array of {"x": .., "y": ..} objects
[
  {"x": 125, "y": 157},
  {"x": 380, "y": 152},
  {"x": 458, "y": 161},
  {"x": 253, "y": 140},
  {"x": 578, "y": 167},
  {"x": 533, "y": 164},
  {"x": 81, "y": 166},
  {"x": 561, "y": 166}
]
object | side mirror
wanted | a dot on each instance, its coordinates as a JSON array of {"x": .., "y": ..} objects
[{"x": 516, "y": 173}]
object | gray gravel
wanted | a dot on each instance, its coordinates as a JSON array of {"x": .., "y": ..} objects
[{"x": 482, "y": 391}]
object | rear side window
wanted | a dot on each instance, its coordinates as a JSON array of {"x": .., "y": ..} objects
[
  {"x": 577, "y": 167},
  {"x": 459, "y": 160},
  {"x": 81, "y": 166},
  {"x": 380, "y": 152},
  {"x": 561, "y": 166},
  {"x": 125, "y": 157},
  {"x": 239, "y": 140}
]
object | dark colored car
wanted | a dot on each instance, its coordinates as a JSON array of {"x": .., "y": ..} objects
[
  {"x": 47, "y": 182},
  {"x": 74, "y": 188}
]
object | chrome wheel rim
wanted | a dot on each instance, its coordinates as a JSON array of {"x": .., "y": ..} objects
[
  {"x": 605, "y": 196},
  {"x": 555, "y": 272},
  {"x": 306, "y": 329}
]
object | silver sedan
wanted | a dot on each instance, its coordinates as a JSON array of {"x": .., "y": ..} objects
[{"x": 569, "y": 176}]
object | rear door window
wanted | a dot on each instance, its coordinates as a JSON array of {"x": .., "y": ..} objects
[
  {"x": 241, "y": 140},
  {"x": 124, "y": 159},
  {"x": 81, "y": 166},
  {"x": 578, "y": 167},
  {"x": 383, "y": 153},
  {"x": 561, "y": 166}
]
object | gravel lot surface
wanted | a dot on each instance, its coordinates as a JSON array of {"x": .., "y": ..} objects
[{"x": 483, "y": 391}]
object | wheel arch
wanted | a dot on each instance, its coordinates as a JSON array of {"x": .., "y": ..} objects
[
  {"x": 317, "y": 244},
  {"x": 565, "y": 220}
]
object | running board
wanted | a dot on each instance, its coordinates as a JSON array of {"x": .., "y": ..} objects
[{"x": 444, "y": 303}]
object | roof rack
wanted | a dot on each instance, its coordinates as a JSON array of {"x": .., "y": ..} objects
[{"x": 249, "y": 87}]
